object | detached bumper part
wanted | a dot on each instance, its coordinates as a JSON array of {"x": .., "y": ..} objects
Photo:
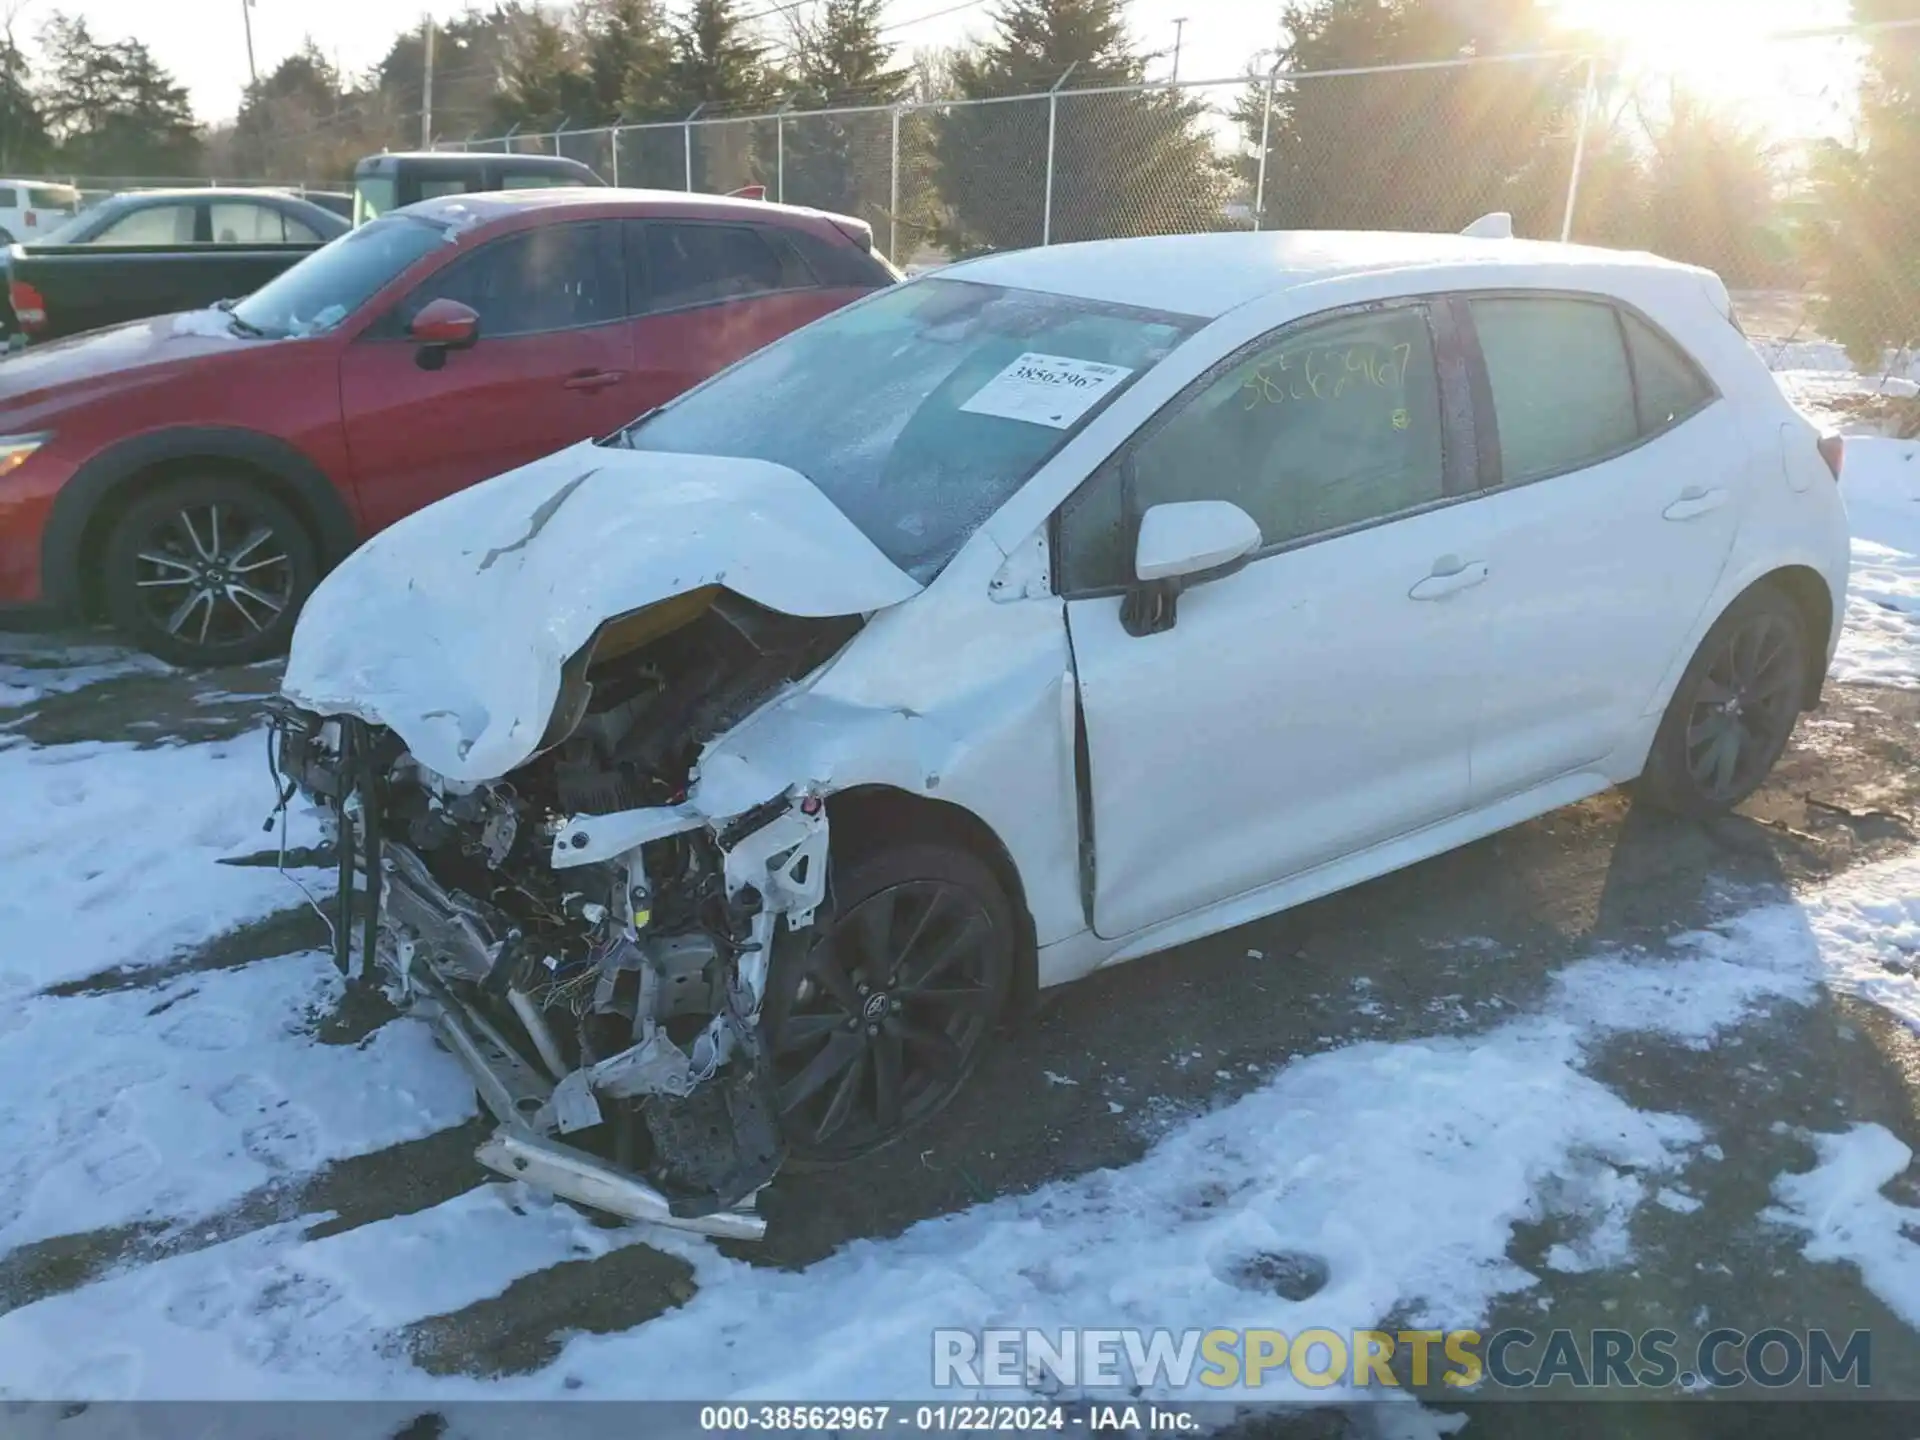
[{"x": 514, "y": 1091}]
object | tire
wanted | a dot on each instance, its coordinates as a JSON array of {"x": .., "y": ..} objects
[
  {"x": 1743, "y": 689},
  {"x": 864, "y": 994},
  {"x": 209, "y": 570}
]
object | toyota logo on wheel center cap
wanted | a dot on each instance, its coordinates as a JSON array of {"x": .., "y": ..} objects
[{"x": 876, "y": 1006}]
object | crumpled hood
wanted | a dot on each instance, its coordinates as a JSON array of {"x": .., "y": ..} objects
[{"x": 452, "y": 626}]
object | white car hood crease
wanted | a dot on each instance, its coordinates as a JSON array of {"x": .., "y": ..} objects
[{"x": 451, "y": 627}]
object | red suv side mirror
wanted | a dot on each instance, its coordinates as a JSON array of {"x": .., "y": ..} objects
[{"x": 446, "y": 323}]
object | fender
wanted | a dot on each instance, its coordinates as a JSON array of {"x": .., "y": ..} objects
[{"x": 79, "y": 500}]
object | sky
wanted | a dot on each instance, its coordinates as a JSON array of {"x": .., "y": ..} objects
[{"x": 203, "y": 42}]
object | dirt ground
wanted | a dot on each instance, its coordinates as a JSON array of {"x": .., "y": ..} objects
[{"x": 1445, "y": 948}]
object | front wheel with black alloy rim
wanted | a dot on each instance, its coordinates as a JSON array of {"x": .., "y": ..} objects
[
  {"x": 208, "y": 571},
  {"x": 877, "y": 1014},
  {"x": 1734, "y": 709}
]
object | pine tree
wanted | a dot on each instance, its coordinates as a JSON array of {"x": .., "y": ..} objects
[
  {"x": 1134, "y": 163},
  {"x": 629, "y": 56},
  {"x": 23, "y": 128},
  {"x": 112, "y": 109},
  {"x": 719, "y": 69},
  {"x": 1413, "y": 151},
  {"x": 1863, "y": 231},
  {"x": 842, "y": 162},
  {"x": 544, "y": 83}
]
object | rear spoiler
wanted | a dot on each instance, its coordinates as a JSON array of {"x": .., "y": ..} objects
[{"x": 857, "y": 231}]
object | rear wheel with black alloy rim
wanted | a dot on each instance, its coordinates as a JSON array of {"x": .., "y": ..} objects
[
  {"x": 209, "y": 571},
  {"x": 1734, "y": 709},
  {"x": 878, "y": 1013}
]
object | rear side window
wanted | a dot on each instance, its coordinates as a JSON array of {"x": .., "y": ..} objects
[
  {"x": 240, "y": 222},
  {"x": 51, "y": 197},
  {"x": 837, "y": 263},
  {"x": 681, "y": 265},
  {"x": 1670, "y": 387},
  {"x": 1562, "y": 390},
  {"x": 8, "y": 198},
  {"x": 558, "y": 277}
]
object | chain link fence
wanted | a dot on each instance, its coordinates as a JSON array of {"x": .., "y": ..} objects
[{"x": 1737, "y": 165}]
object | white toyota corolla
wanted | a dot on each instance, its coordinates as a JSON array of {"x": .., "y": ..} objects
[{"x": 720, "y": 782}]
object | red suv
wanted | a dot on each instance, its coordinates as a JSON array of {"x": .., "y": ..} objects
[{"x": 191, "y": 477}]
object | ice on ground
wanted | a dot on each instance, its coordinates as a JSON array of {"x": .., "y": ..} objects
[
  {"x": 166, "y": 1104},
  {"x": 1847, "y": 1219},
  {"x": 108, "y": 854},
  {"x": 1880, "y": 482}
]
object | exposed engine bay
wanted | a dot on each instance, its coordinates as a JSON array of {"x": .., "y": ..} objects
[{"x": 608, "y": 1011}]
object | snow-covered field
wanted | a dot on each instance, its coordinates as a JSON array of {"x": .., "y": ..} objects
[{"x": 1397, "y": 1171}]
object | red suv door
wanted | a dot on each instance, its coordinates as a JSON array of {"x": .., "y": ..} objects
[
  {"x": 552, "y": 366},
  {"x": 707, "y": 293}
]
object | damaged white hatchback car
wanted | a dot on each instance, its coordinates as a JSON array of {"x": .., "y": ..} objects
[{"x": 715, "y": 786}]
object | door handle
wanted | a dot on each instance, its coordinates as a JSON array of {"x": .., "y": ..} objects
[
  {"x": 1439, "y": 585},
  {"x": 1695, "y": 502},
  {"x": 594, "y": 379}
]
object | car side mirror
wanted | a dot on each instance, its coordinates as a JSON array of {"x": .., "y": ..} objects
[
  {"x": 441, "y": 326},
  {"x": 1182, "y": 544}
]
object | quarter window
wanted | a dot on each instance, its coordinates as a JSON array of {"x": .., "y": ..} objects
[
  {"x": 1562, "y": 392},
  {"x": 1669, "y": 386},
  {"x": 531, "y": 282}
]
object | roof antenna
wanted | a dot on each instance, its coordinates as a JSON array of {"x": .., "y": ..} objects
[{"x": 1497, "y": 226}]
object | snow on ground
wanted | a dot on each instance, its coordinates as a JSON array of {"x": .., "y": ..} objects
[
  {"x": 1840, "y": 1206},
  {"x": 1405, "y": 1170},
  {"x": 168, "y": 1103},
  {"x": 33, "y": 667},
  {"x": 1881, "y": 483},
  {"x": 108, "y": 852}
]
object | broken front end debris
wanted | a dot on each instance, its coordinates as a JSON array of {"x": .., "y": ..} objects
[{"x": 608, "y": 1006}]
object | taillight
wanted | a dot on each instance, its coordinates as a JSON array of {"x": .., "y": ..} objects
[
  {"x": 33, "y": 220},
  {"x": 1833, "y": 450},
  {"x": 28, "y": 306}
]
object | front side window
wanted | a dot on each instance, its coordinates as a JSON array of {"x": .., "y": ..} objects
[
  {"x": 150, "y": 225},
  {"x": 531, "y": 282},
  {"x": 53, "y": 197},
  {"x": 920, "y": 411},
  {"x": 1329, "y": 426},
  {"x": 327, "y": 286},
  {"x": 1562, "y": 391},
  {"x": 699, "y": 264}
]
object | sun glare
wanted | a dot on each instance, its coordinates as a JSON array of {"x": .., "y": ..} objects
[{"x": 1723, "y": 51}]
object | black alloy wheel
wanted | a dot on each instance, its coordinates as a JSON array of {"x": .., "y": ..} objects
[
  {"x": 877, "y": 1015},
  {"x": 1734, "y": 710},
  {"x": 209, "y": 572},
  {"x": 1744, "y": 707}
]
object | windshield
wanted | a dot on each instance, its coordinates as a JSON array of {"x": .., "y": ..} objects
[
  {"x": 373, "y": 196},
  {"x": 338, "y": 278},
  {"x": 69, "y": 232},
  {"x": 919, "y": 412}
]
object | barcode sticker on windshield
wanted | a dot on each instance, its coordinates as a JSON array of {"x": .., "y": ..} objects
[{"x": 1053, "y": 390}]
